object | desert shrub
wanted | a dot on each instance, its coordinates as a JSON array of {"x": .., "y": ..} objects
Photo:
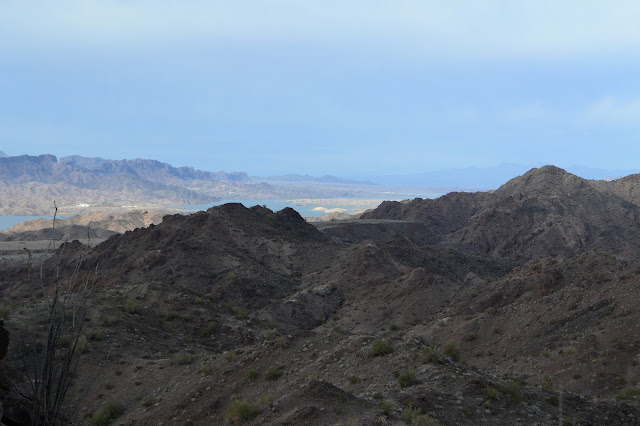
[
  {"x": 81, "y": 344},
  {"x": 414, "y": 416},
  {"x": 470, "y": 336},
  {"x": 386, "y": 407},
  {"x": 105, "y": 321},
  {"x": 148, "y": 401},
  {"x": 628, "y": 393},
  {"x": 208, "y": 370},
  {"x": 410, "y": 412},
  {"x": 50, "y": 365},
  {"x": 452, "y": 350},
  {"x": 243, "y": 410},
  {"x": 266, "y": 400},
  {"x": 5, "y": 312},
  {"x": 230, "y": 356},
  {"x": 171, "y": 315},
  {"x": 512, "y": 389},
  {"x": 430, "y": 354},
  {"x": 380, "y": 347},
  {"x": 425, "y": 420},
  {"x": 251, "y": 375},
  {"x": 241, "y": 312},
  {"x": 490, "y": 392},
  {"x": 269, "y": 334},
  {"x": 131, "y": 306},
  {"x": 182, "y": 359},
  {"x": 273, "y": 373},
  {"x": 407, "y": 378},
  {"x": 282, "y": 342},
  {"x": 209, "y": 329},
  {"x": 109, "y": 410},
  {"x": 95, "y": 335}
]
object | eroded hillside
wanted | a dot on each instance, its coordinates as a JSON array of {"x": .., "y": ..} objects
[{"x": 243, "y": 315}]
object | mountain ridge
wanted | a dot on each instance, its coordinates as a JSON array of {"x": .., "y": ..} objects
[
  {"x": 238, "y": 305},
  {"x": 545, "y": 212}
]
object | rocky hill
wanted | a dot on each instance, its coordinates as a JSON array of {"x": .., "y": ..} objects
[
  {"x": 116, "y": 223},
  {"x": 248, "y": 316},
  {"x": 545, "y": 212}
]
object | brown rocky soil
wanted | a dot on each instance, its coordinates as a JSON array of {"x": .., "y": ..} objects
[{"x": 246, "y": 316}]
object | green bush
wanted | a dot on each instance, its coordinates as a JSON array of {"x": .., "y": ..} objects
[
  {"x": 81, "y": 344},
  {"x": 430, "y": 354},
  {"x": 414, "y": 416},
  {"x": 230, "y": 356},
  {"x": 273, "y": 373},
  {"x": 95, "y": 335},
  {"x": 407, "y": 378},
  {"x": 386, "y": 407},
  {"x": 470, "y": 336},
  {"x": 513, "y": 389},
  {"x": 282, "y": 342},
  {"x": 243, "y": 410},
  {"x": 425, "y": 420},
  {"x": 131, "y": 306},
  {"x": 452, "y": 350},
  {"x": 490, "y": 392},
  {"x": 251, "y": 375},
  {"x": 5, "y": 313},
  {"x": 628, "y": 393},
  {"x": 109, "y": 410},
  {"x": 266, "y": 400},
  {"x": 182, "y": 359},
  {"x": 209, "y": 329},
  {"x": 241, "y": 312},
  {"x": 208, "y": 370},
  {"x": 148, "y": 401},
  {"x": 380, "y": 347}
]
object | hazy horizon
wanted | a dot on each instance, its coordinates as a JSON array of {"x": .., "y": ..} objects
[{"x": 351, "y": 90}]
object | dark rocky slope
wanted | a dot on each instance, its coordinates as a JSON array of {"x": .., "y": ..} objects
[
  {"x": 248, "y": 304},
  {"x": 545, "y": 212}
]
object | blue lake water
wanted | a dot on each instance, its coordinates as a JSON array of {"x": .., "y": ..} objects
[{"x": 275, "y": 205}]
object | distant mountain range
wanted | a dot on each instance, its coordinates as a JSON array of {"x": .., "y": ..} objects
[
  {"x": 312, "y": 179},
  {"x": 30, "y": 184}
]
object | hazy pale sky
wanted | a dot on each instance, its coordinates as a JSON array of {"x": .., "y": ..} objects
[{"x": 338, "y": 87}]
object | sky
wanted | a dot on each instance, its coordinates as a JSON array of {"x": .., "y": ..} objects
[{"x": 349, "y": 88}]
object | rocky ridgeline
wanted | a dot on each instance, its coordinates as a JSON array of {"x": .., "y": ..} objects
[
  {"x": 419, "y": 316},
  {"x": 545, "y": 212}
]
